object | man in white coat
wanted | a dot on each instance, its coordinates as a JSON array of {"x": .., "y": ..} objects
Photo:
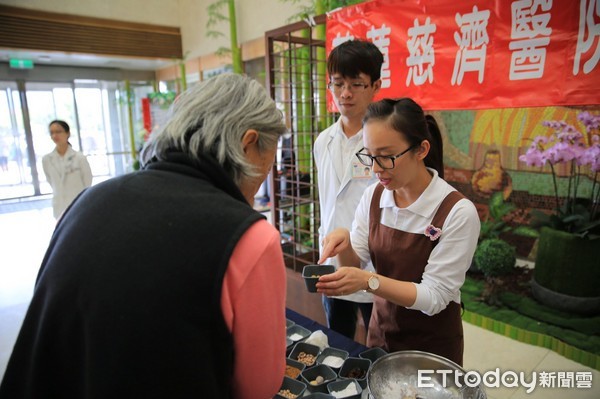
[{"x": 354, "y": 69}]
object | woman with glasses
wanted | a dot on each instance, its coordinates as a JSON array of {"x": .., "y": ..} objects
[
  {"x": 67, "y": 171},
  {"x": 419, "y": 232}
]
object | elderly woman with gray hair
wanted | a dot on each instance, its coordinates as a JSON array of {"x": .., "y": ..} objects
[{"x": 165, "y": 283}]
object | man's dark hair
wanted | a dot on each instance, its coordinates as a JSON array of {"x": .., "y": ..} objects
[{"x": 354, "y": 57}]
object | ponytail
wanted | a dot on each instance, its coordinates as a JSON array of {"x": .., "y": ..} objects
[
  {"x": 435, "y": 158},
  {"x": 407, "y": 117}
]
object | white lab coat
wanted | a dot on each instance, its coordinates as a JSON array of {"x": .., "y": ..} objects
[
  {"x": 340, "y": 188},
  {"x": 68, "y": 176}
]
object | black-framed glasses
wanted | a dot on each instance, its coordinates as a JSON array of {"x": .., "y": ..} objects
[
  {"x": 356, "y": 87},
  {"x": 385, "y": 161}
]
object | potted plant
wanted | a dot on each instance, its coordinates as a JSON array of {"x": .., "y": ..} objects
[
  {"x": 494, "y": 223},
  {"x": 567, "y": 266},
  {"x": 494, "y": 258}
]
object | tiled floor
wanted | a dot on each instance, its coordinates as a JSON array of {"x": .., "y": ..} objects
[{"x": 24, "y": 234}]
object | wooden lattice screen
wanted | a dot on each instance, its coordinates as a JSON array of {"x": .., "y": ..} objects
[{"x": 296, "y": 69}]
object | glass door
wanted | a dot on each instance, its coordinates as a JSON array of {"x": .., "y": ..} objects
[
  {"x": 15, "y": 174},
  {"x": 97, "y": 113},
  {"x": 47, "y": 102}
]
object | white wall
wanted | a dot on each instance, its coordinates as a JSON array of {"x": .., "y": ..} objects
[
  {"x": 254, "y": 18},
  {"x": 260, "y": 16}
]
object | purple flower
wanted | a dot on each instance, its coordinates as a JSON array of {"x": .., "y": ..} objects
[
  {"x": 590, "y": 121},
  {"x": 565, "y": 144},
  {"x": 591, "y": 155},
  {"x": 433, "y": 232},
  {"x": 533, "y": 157}
]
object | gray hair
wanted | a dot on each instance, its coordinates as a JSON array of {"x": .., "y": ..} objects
[{"x": 212, "y": 117}]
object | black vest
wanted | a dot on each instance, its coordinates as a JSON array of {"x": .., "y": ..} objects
[{"x": 127, "y": 302}]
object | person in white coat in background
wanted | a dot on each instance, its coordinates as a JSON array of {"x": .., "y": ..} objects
[
  {"x": 67, "y": 171},
  {"x": 354, "y": 69}
]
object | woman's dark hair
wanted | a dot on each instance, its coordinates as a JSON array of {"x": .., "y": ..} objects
[
  {"x": 354, "y": 57},
  {"x": 63, "y": 124},
  {"x": 407, "y": 117}
]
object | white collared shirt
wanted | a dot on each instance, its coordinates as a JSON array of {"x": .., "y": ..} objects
[
  {"x": 449, "y": 261},
  {"x": 342, "y": 180}
]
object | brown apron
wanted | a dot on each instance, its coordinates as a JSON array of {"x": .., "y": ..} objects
[{"x": 403, "y": 256}]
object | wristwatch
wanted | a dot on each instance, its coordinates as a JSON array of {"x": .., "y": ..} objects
[{"x": 373, "y": 283}]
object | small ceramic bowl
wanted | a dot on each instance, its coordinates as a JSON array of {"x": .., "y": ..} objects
[
  {"x": 311, "y": 274},
  {"x": 318, "y": 395},
  {"x": 355, "y": 364},
  {"x": 293, "y": 386},
  {"x": 295, "y": 367},
  {"x": 329, "y": 351},
  {"x": 308, "y": 349},
  {"x": 297, "y": 333},
  {"x": 309, "y": 377},
  {"x": 372, "y": 354},
  {"x": 340, "y": 385}
]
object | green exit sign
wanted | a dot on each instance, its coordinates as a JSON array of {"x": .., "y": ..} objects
[{"x": 20, "y": 64}]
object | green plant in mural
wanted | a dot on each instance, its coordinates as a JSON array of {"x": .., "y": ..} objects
[
  {"x": 567, "y": 145},
  {"x": 215, "y": 16},
  {"x": 494, "y": 224}
]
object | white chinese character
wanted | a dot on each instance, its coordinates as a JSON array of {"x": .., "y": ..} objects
[
  {"x": 528, "y": 58},
  {"x": 566, "y": 379},
  {"x": 422, "y": 57},
  {"x": 547, "y": 379},
  {"x": 528, "y": 29},
  {"x": 526, "y": 22},
  {"x": 472, "y": 44},
  {"x": 586, "y": 40},
  {"x": 583, "y": 379},
  {"x": 338, "y": 39},
  {"x": 380, "y": 37}
]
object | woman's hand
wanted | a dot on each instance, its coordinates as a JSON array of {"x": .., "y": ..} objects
[
  {"x": 334, "y": 243},
  {"x": 346, "y": 280}
]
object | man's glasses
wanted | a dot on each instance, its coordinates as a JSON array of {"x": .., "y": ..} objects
[
  {"x": 385, "y": 161},
  {"x": 338, "y": 87}
]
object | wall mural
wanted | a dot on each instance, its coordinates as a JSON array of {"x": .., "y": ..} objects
[{"x": 481, "y": 155}]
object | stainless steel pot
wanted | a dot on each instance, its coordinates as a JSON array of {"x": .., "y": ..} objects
[{"x": 396, "y": 375}]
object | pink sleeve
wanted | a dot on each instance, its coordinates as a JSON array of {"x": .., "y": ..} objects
[{"x": 253, "y": 305}]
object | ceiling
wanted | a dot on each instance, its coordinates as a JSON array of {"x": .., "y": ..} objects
[{"x": 86, "y": 60}]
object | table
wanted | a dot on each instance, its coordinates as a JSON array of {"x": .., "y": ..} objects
[{"x": 336, "y": 340}]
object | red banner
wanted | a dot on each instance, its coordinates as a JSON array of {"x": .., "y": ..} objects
[
  {"x": 147, "y": 117},
  {"x": 474, "y": 54}
]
